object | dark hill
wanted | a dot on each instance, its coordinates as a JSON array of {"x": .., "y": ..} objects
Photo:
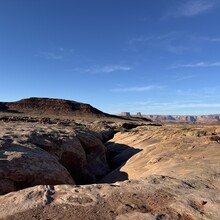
[{"x": 49, "y": 106}]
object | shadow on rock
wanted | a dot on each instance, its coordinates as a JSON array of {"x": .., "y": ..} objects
[
  {"x": 4, "y": 108},
  {"x": 117, "y": 156}
]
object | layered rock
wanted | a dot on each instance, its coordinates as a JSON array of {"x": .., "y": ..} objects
[
  {"x": 33, "y": 154},
  {"x": 185, "y": 118}
]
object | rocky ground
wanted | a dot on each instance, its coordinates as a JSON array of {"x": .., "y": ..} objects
[
  {"x": 108, "y": 169},
  {"x": 153, "y": 172},
  {"x": 35, "y": 153}
]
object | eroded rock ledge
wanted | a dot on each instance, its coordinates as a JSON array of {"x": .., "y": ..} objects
[
  {"x": 35, "y": 153},
  {"x": 151, "y": 198}
]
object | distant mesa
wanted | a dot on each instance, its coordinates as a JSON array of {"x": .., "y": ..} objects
[
  {"x": 50, "y": 106},
  {"x": 139, "y": 114},
  {"x": 175, "y": 118},
  {"x": 185, "y": 118},
  {"x": 125, "y": 114},
  {"x": 128, "y": 114}
]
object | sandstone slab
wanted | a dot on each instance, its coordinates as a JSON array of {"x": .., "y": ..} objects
[{"x": 154, "y": 197}]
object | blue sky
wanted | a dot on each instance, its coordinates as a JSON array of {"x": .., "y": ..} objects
[{"x": 153, "y": 56}]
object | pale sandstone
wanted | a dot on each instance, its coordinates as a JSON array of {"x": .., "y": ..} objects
[{"x": 148, "y": 198}]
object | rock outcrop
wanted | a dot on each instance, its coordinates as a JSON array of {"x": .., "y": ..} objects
[
  {"x": 52, "y": 107},
  {"x": 33, "y": 154},
  {"x": 22, "y": 167}
]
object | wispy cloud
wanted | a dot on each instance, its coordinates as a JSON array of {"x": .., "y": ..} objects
[
  {"x": 181, "y": 77},
  {"x": 61, "y": 49},
  {"x": 177, "y": 105},
  {"x": 189, "y": 101},
  {"x": 50, "y": 55},
  {"x": 145, "y": 39},
  {"x": 104, "y": 69},
  {"x": 58, "y": 53},
  {"x": 176, "y": 42},
  {"x": 173, "y": 108},
  {"x": 199, "y": 64},
  {"x": 138, "y": 89},
  {"x": 192, "y": 8},
  {"x": 178, "y": 49},
  {"x": 195, "y": 105},
  {"x": 211, "y": 39},
  {"x": 202, "y": 95},
  {"x": 55, "y": 54}
]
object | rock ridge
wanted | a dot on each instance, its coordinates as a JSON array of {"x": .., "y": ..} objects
[{"x": 51, "y": 106}]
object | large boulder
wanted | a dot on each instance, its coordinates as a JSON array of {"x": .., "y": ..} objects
[
  {"x": 33, "y": 153},
  {"x": 68, "y": 150},
  {"x": 25, "y": 166},
  {"x": 95, "y": 153}
]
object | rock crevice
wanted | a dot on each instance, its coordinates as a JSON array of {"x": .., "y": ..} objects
[{"x": 34, "y": 154}]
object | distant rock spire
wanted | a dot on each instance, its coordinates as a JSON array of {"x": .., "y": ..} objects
[{"x": 139, "y": 115}]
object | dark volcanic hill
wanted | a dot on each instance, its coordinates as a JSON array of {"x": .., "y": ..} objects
[{"x": 49, "y": 106}]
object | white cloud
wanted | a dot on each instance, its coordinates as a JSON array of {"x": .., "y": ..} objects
[
  {"x": 199, "y": 64},
  {"x": 180, "y": 102},
  {"x": 61, "y": 49},
  {"x": 144, "y": 39},
  {"x": 172, "y": 108},
  {"x": 181, "y": 77},
  {"x": 197, "y": 7},
  {"x": 195, "y": 105},
  {"x": 50, "y": 55},
  {"x": 138, "y": 89},
  {"x": 194, "y": 7},
  {"x": 55, "y": 53},
  {"x": 211, "y": 39},
  {"x": 202, "y": 95},
  {"x": 107, "y": 69},
  {"x": 176, "y": 42},
  {"x": 178, "y": 49}
]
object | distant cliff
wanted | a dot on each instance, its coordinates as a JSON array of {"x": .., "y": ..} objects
[
  {"x": 177, "y": 118},
  {"x": 185, "y": 118}
]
